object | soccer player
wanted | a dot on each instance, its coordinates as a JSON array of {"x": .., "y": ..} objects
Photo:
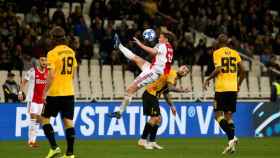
[
  {"x": 164, "y": 85},
  {"x": 162, "y": 55},
  {"x": 36, "y": 78},
  {"x": 59, "y": 92},
  {"x": 228, "y": 74}
]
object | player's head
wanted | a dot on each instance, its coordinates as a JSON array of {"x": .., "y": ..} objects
[
  {"x": 222, "y": 39},
  {"x": 165, "y": 37},
  {"x": 43, "y": 62},
  {"x": 58, "y": 35},
  {"x": 10, "y": 76},
  {"x": 183, "y": 71}
]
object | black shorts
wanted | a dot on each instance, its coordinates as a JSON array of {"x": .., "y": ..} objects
[
  {"x": 62, "y": 104},
  {"x": 225, "y": 101},
  {"x": 150, "y": 105}
]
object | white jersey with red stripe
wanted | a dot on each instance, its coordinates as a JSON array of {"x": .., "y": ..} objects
[
  {"x": 36, "y": 83},
  {"x": 161, "y": 63}
]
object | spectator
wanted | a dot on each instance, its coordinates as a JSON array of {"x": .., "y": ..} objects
[
  {"x": 32, "y": 16},
  {"x": 11, "y": 89},
  {"x": 252, "y": 25},
  {"x": 58, "y": 16},
  {"x": 276, "y": 45}
]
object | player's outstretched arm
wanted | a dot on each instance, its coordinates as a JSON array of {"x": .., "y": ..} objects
[
  {"x": 173, "y": 88},
  {"x": 21, "y": 87},
  {"x": 212, "y": 75},
  {"x": 50, "y": 78},
  {"x": 241, "y": 74},
  {"x": 149, "y": 50},
  {"x": 168, "y": 99}
]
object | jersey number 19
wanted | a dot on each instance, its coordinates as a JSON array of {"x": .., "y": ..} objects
[{"x": 67, "y": 66}]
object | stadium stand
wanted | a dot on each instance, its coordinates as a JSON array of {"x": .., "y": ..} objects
[{"x": 104, "y": 73}]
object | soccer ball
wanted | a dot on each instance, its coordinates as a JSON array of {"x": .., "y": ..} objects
[{"x": 149, "y": 35}]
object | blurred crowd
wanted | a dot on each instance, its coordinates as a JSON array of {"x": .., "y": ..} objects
[{"x": 252, "y": 25}]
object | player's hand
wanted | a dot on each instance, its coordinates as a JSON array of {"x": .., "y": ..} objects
[
  {"x": 173, "y": 110},
  {"x": 44, "y": 98},
  {"x": 137, "y": 41},
  {"x": 238, "y": 88},
  {"x": 206, "y": 84},
  {"x": 20, "y": 96}
]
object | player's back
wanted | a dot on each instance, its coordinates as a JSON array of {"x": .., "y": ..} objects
[
  {"x": 62, "y": 61},
  {"x": 228, "y": 59},
  {"x": 157, "y": 87},
  {"x": 163, "y": 60}
]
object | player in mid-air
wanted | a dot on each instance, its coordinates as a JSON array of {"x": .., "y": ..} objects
[
  {"x": 162, "y": 55},
  {"x": 228, "y": 74},
  {"x": 36, "y": 78},
  {"x": 165, "y": 84},
  {"x": 59, "y": 92}
]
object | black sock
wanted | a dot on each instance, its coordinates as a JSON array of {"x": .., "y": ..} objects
[
  {"x": 231, "y": 129},
  {"x": 70, "y": 138},
  {"x": 154, "y": 133},
  {"x": 48, "y": 130},
  {"x": 224, "y": 125},
  {"x": 147, "y": 130}
]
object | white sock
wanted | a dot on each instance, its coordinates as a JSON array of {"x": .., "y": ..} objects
[
  {"x": 36, "y": 131},
  {"x": 126, "y": 52},
  {"x": 125, "y": 102},
  {"x": 32, "y": 130}
]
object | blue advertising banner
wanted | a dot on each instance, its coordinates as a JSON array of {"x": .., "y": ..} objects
[
  {"x": 91, "y": 122},
  {"x": 266, "y": 118}
]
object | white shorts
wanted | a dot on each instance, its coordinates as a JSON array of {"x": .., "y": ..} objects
[
  {"x": 34, "y": 108},
  {"x": 146, "y": 76}
]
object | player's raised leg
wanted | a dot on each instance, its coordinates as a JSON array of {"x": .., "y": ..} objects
[
  {"x": 140, "y": 62},
  {"x": 146, "y": 77}
]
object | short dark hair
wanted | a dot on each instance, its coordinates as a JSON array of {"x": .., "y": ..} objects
[
  {"x": 222, "y": 39},
  {"x": 57, "y": 31},
  {"x": 58, "y": 35},
  {"x": 170, "y": 36}
]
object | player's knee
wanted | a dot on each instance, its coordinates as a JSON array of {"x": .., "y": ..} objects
[
  {"x": 131, "y": 89},
  {"x": 158, "y": 120},
  {"x": 218, "y": 115},
  {"x": 44, "y": 120},
  {"x": 155, "y": 120},
  {"x": 33, "y": 116},
  {"x": 136, "y": 59},
  {"x": 39, "y": 119},
  {"x": 228, "y": 116},
  {"x": 68, "y": 123}
]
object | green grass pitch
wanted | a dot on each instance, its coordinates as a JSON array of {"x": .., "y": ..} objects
[{"x": 174, "y": 148}]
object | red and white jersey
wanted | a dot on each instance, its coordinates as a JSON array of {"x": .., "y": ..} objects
[
  {"x": 37, "y": 81},
  {"x": 161, "y": 63}
]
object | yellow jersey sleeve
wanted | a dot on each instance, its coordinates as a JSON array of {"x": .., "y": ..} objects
[
  {"x": 51, "y": 58},
  {"x": 171, "y": 77},
  {"x": 238, "y": 58},
  {"x": 75, "y": 64},
  {"x": 217, "y": 59}
]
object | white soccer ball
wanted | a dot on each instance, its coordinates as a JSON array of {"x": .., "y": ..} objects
[{"x": 149, "y": 35}]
